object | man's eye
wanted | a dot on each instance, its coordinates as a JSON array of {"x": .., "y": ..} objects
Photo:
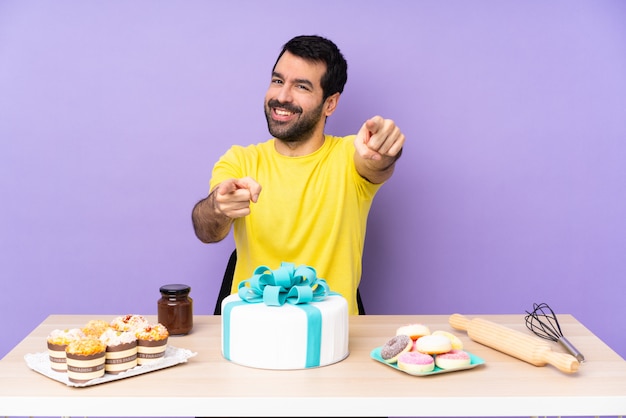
[
  {"x": 277, "y": 81},
  {"x": 303, "y": 87}
]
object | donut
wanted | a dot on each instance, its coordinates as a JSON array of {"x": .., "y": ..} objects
[
  {"x": 433, "y": 344},
  {"x": 414, "y": 362},
  {"x": 457, "y": 344},
  {"x": 394, "y": 347},
  {"x": 414, "y": 331},
  {"x": 452, "y": 359}
]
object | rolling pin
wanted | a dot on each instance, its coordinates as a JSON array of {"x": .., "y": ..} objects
[{"x": 513, "y": 343}]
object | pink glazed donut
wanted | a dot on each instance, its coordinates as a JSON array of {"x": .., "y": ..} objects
[
  {"x": 452, "y": 360},
  {"x": 414, "y": 362}
]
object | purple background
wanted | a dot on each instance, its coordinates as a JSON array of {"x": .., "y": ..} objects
[{"x": 511, "y": 189}]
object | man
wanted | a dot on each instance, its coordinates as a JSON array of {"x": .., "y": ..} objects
[{"x": 303, "y": 196}]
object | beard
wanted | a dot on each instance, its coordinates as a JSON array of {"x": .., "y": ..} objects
[{"x": 293, "y": 131}]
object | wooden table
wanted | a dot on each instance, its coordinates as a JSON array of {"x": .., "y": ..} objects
[{"x": 208, "y": 385}]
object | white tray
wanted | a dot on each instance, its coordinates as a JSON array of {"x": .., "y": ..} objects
[{"x": 40, "y": 362}]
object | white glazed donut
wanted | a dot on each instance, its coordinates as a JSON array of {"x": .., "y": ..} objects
[
  {"x": 414, "y": 362},
  {"x": 452, "y": 360},
  {"x": 433, "y": 344},
  {"x": 414, "y": 331},
  {"x": 457, "y": 344}
]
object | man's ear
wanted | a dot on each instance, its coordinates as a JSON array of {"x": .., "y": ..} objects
[{"x": 331, "y": 104}]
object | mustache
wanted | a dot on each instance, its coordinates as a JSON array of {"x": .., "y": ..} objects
[{"x": 273, "y": 103}]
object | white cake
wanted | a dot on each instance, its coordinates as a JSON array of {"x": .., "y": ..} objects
[{"x": 276, "y": 337}]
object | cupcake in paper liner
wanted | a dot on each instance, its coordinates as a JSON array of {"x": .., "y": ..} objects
[
  {"x": 130, "y": 323},
  {"x": 85, "y": 359},
  {"x": 151, "y": 343},
  {"x": 95, "y": 328},
  {"x": 57, "y": 341},
  {"x": 121, "y": 350}
]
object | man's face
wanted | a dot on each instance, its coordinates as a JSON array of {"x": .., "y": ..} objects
[{"x": 293, "y": 102}]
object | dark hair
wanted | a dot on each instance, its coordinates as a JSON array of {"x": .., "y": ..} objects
[{"x": 318, "y": 49}]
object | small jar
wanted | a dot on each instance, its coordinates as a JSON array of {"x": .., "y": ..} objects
[{"x": 175, "y": 308}]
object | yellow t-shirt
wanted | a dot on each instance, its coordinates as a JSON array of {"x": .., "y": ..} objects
[{"x": 312, "y": 210}]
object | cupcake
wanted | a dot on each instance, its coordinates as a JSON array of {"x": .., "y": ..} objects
[
  {"x": 121, "y": 350},
  {"x": 85, "y": 359},
  {"x": 129, "y": 323},
  {"x": 58, "y": 340},
  {"x": 151, "y": 343},
  {"x": 95, "y": 328}
]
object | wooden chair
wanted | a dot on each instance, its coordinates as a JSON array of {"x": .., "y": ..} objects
[{"x": 227, "y": 283}]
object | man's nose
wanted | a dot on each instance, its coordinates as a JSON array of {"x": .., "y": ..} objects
[{"x": 284, "y": 95}]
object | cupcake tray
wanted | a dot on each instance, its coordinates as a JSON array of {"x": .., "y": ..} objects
[
  {"x": 474, "y": 361},
  {"x": 40, "y": 362}
]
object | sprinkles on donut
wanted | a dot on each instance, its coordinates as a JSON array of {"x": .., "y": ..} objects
[{"x": 394, "y": 347}]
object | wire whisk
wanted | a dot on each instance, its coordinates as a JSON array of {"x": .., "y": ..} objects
[{"x": 542, "y": 321}]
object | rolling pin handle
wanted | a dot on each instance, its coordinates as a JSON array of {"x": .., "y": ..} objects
[
  {"x": 564, "y": 362},
  {"x": 458, "y": 321}
]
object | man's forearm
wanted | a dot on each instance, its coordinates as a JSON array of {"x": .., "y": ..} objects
[
  {"x": 209, "y": 224},
  {"x": 377, "y": 172}
]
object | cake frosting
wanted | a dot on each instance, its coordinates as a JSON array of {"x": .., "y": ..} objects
[
  {"x": 95, "y": 328},
  {"x": 129, "y": 323},
  {"x": 64, "y": 336},
  {"x": 112, "y": 337},
  {"x": 284, "y": 319}
]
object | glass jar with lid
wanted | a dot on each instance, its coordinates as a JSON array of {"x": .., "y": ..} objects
[{"x": 175, "y": 308}]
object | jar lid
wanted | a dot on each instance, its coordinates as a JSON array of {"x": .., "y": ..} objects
[{"x": 175, "y": 289}]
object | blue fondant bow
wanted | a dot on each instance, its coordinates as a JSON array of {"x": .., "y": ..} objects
[{"x": 287, "y": 284}]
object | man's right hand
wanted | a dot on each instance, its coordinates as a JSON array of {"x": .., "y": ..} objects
[
  {"x": 213, "y": 215},
  {"x": 232, "y": 197}
]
